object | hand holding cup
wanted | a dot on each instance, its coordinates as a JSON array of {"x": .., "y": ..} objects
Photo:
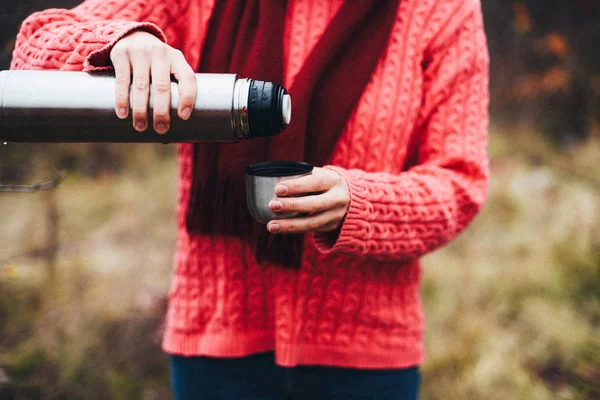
[
  {"x": 302, "y": 198},
  {"x": 321, "y": 199}
]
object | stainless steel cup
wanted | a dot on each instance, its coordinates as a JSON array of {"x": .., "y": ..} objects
[{"x": 261, "y": 180}]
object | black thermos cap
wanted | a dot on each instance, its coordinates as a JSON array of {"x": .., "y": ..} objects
[{"x": 268, "y": 109}]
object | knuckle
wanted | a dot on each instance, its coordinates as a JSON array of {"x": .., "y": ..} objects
[
  {"x": 121, "y": 98},
  {"x": 141, "y": 84},
  {"x": 177, "y": 53},
  {"x": 190, "y": 75},
  {"x": 337, "y": 179},
  {"x": 291, "y": 206},
  {"x": 337, "y": 215},
  {"x": 118, "y": 51},
  {"x": 159, "y": 49},
  {"x": 339, "y": 202},
  {"x": 314, "y": 224},
  {"x": 321, "y": 182},
  {"x": 162, "y": 86},
  {"x": 289, "y": 227},
  {"x": 293, "y": 187},
  {"x": 135, "y": 52},
  {"x": 315, "y": 206},
  {"x": 122, "y": 78},
  {"x": 190, "y": 83}
]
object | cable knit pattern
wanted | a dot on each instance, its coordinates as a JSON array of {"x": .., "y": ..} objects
[{"x": 413, "y": 154}]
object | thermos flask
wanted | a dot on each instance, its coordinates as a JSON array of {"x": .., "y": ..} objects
[{"x": 62, "y": 106}]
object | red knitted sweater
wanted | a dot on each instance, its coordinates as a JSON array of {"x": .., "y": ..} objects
[{"x": 413, "y": 154}]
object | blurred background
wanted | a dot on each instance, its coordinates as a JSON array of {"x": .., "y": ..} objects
[{"x": 512, "y": 306}]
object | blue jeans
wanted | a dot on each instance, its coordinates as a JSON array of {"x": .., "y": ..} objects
[{"x": 257, "y": 377}]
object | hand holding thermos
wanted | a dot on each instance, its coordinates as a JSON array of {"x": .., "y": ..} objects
[{"x": 138, "y": 57}]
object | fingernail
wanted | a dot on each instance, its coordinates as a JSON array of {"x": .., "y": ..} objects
[
  {"x": 281, "y": 189},
  {"x": 186, "y": 112},
  {"x": 140, "y": 126},
  {"x": 161, "y": 128},
  {"x": 122, "y": 112},
  {"x": 275, "y": 205},
  {"x": 274, "y": 228}
]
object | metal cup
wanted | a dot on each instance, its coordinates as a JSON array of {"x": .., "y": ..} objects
[{"x": 261, "y": 179}]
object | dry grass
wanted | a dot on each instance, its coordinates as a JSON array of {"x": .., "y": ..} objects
[
  {"x": 94, "y": 332},
  {"x": 513, "y": 305}
]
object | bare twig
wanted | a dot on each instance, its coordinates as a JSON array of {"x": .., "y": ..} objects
[
  {"x": 32, "y": 253},
  {"x": 6, "y": 257},
  {"x": 36, "y": 187}
]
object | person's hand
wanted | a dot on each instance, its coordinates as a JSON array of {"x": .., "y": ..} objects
[
  {"x": 324, "y": 197},
  {"x": 139, "y": 58}
]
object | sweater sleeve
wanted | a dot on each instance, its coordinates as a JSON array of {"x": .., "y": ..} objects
[
  {"x": 81, "y": 38},
  {"x": 400, "y": 217}
]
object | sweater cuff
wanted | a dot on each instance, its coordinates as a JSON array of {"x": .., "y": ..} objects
[
  {"x": 355, "y": 225},
  {"x": 99, "y": 59}
]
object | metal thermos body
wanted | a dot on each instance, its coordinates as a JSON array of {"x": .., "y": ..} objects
[{"x": 63, "y": 106}]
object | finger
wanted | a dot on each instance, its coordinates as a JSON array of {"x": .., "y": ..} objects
[
  {"x": 140, "y": 90},
  {"x": 307, "y": 204},
  {"x": 317, "y": 182},
  {"x": 332, "y": 226},
  {"x": 161, "y": 88},
  {"x": 311, "y": 223},
  {"x": 122, "y": 68},
  {"x": 188, "y": 85}
]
